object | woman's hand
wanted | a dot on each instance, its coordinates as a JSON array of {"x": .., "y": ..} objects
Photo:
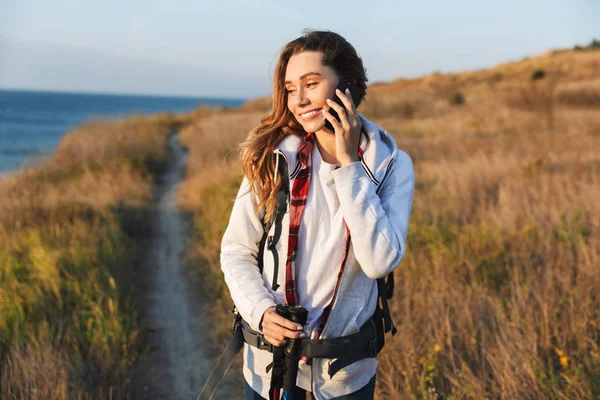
[
  {"x": 347, "y": 131},
  {"x": 276, "y": 329}
]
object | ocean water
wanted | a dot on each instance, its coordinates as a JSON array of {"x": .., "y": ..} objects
[{"x": 32, "y": 123}]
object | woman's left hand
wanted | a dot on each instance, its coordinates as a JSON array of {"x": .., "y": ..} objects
[{"x": 347, "y": 132}]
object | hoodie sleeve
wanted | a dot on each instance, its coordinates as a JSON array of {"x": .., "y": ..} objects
[
  {"x": 239, "y": 252},
  {"x": 378, "y": 224}
]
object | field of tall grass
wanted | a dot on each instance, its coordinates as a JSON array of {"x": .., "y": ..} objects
[
  {"x": 498, "y": 295},
  {"x": 70, "y": 231}
]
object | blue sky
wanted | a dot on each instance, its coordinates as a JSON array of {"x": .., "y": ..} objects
[{"x": 229, "y": 48}]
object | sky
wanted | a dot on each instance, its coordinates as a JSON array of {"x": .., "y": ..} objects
[{"x": 217, "y": 48}]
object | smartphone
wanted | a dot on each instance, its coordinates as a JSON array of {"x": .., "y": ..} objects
[{"x": 354, "y": 92}]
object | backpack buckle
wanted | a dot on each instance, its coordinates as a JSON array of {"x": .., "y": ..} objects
[
  {"x": 263, "y": 344},
  {"x": 237, "y": 320},
  {"x": 270, "y": 243}
]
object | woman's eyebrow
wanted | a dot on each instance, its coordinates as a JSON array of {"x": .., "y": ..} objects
[{"x": 305, "y": 75}]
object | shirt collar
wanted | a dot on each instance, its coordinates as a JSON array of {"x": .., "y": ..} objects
[{"x": 306, "y": 148}]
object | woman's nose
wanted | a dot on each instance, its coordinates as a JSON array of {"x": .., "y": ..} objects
[{"x": 301, "y": 97}]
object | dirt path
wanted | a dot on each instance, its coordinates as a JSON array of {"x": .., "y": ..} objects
[{"x": 176, "y": 365}]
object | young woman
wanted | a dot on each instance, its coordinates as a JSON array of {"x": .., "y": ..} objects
[{"x": 345, "y": 223}]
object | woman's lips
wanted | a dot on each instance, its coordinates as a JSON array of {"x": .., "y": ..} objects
[{"x": 308, "y": 116}]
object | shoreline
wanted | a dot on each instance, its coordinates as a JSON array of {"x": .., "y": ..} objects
[
  {"x": 123, "y": 94},
  {"x": 38, "y": 120},
  {"x": 8, "y": 174}
]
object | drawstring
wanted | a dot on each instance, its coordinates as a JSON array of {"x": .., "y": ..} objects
[{"x": 276, "y": 169}]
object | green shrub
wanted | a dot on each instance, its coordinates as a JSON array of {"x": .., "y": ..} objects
[
  {"x": 538, "y": 74},
  {"x": 457, "y": 99}
]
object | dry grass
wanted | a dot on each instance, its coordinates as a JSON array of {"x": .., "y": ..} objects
[
  {"x": 68, "y": 231},
  {"x": 498, "y": 295},
  {"x": 213, "y": 177}
]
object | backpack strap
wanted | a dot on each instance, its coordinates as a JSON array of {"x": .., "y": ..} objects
[
  {"x": 281, "y": 208},
  {"x": 385, "y": 291},
  {"x": 345, "y": 349}
]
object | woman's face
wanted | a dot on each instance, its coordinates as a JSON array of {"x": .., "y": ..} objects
[{"x": 309, "y": 84}]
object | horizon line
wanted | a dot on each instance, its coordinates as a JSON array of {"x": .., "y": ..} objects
[{"x": 124, "y": 94}]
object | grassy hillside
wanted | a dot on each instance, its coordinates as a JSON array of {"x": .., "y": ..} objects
[
  {"x": 498, "y": 293},
  {"x": 70, "y": 231},
  {"x": 497, "y": 296}
]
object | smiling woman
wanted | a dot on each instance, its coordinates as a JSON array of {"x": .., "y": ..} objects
[{"x": 339, "y": 199}]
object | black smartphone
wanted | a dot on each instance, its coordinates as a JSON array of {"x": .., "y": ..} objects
[{"x": 354, "y": 92}]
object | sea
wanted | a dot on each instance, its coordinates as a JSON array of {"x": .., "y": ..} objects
[{"x": 33, "y": 122}]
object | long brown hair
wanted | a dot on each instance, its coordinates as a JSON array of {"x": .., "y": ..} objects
[{"x": 257, "y": 150}]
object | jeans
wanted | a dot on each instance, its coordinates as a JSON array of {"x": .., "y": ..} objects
[{"x": 367, "y": 392}]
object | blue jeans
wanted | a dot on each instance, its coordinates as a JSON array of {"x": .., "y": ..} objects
[{"x": 367, "y": 392}]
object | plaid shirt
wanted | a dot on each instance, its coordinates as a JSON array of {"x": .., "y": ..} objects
[{"x": 299, "y": 194}]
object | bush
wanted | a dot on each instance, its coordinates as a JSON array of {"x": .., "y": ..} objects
[
  {"x": 457, "y": 99},
  {"x": 538, "y": 74}
]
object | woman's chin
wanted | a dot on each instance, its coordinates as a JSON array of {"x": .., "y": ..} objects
[
  {"x": 316, "y": 126},
  {"x": 322, "y": 129},
  {"x": 312, "y": 127}
]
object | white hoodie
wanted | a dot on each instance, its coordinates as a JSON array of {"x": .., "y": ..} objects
[{"x": 376, "y": 199}]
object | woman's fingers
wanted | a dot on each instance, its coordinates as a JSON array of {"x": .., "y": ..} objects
[
  {"x": 347, "y": 100},
  {"x": 279, "y": 320},
  {"x": 276, "y": 329},
  {"x": 334, "y": 122},
  {"x": 348, "y": 117},
  {"x": 275, "y": 342},
  {"x": 280, "y": 332},
  {"x": 352, "y": 116},
  {"x": 341, "y": 113},
  {"x": 272, "y": 317},
  {"x": 279, "y": 336},
  {"x": 332, "y": 104}
]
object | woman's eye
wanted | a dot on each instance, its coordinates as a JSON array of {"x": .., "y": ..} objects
[
  {"x": 311, "y": 84},
  {"x": 291, "y": 91}
]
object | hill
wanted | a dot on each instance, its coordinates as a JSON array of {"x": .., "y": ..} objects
[
  {"x": 498, "y": 293},
  {"x": 497, "y": 296}
]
